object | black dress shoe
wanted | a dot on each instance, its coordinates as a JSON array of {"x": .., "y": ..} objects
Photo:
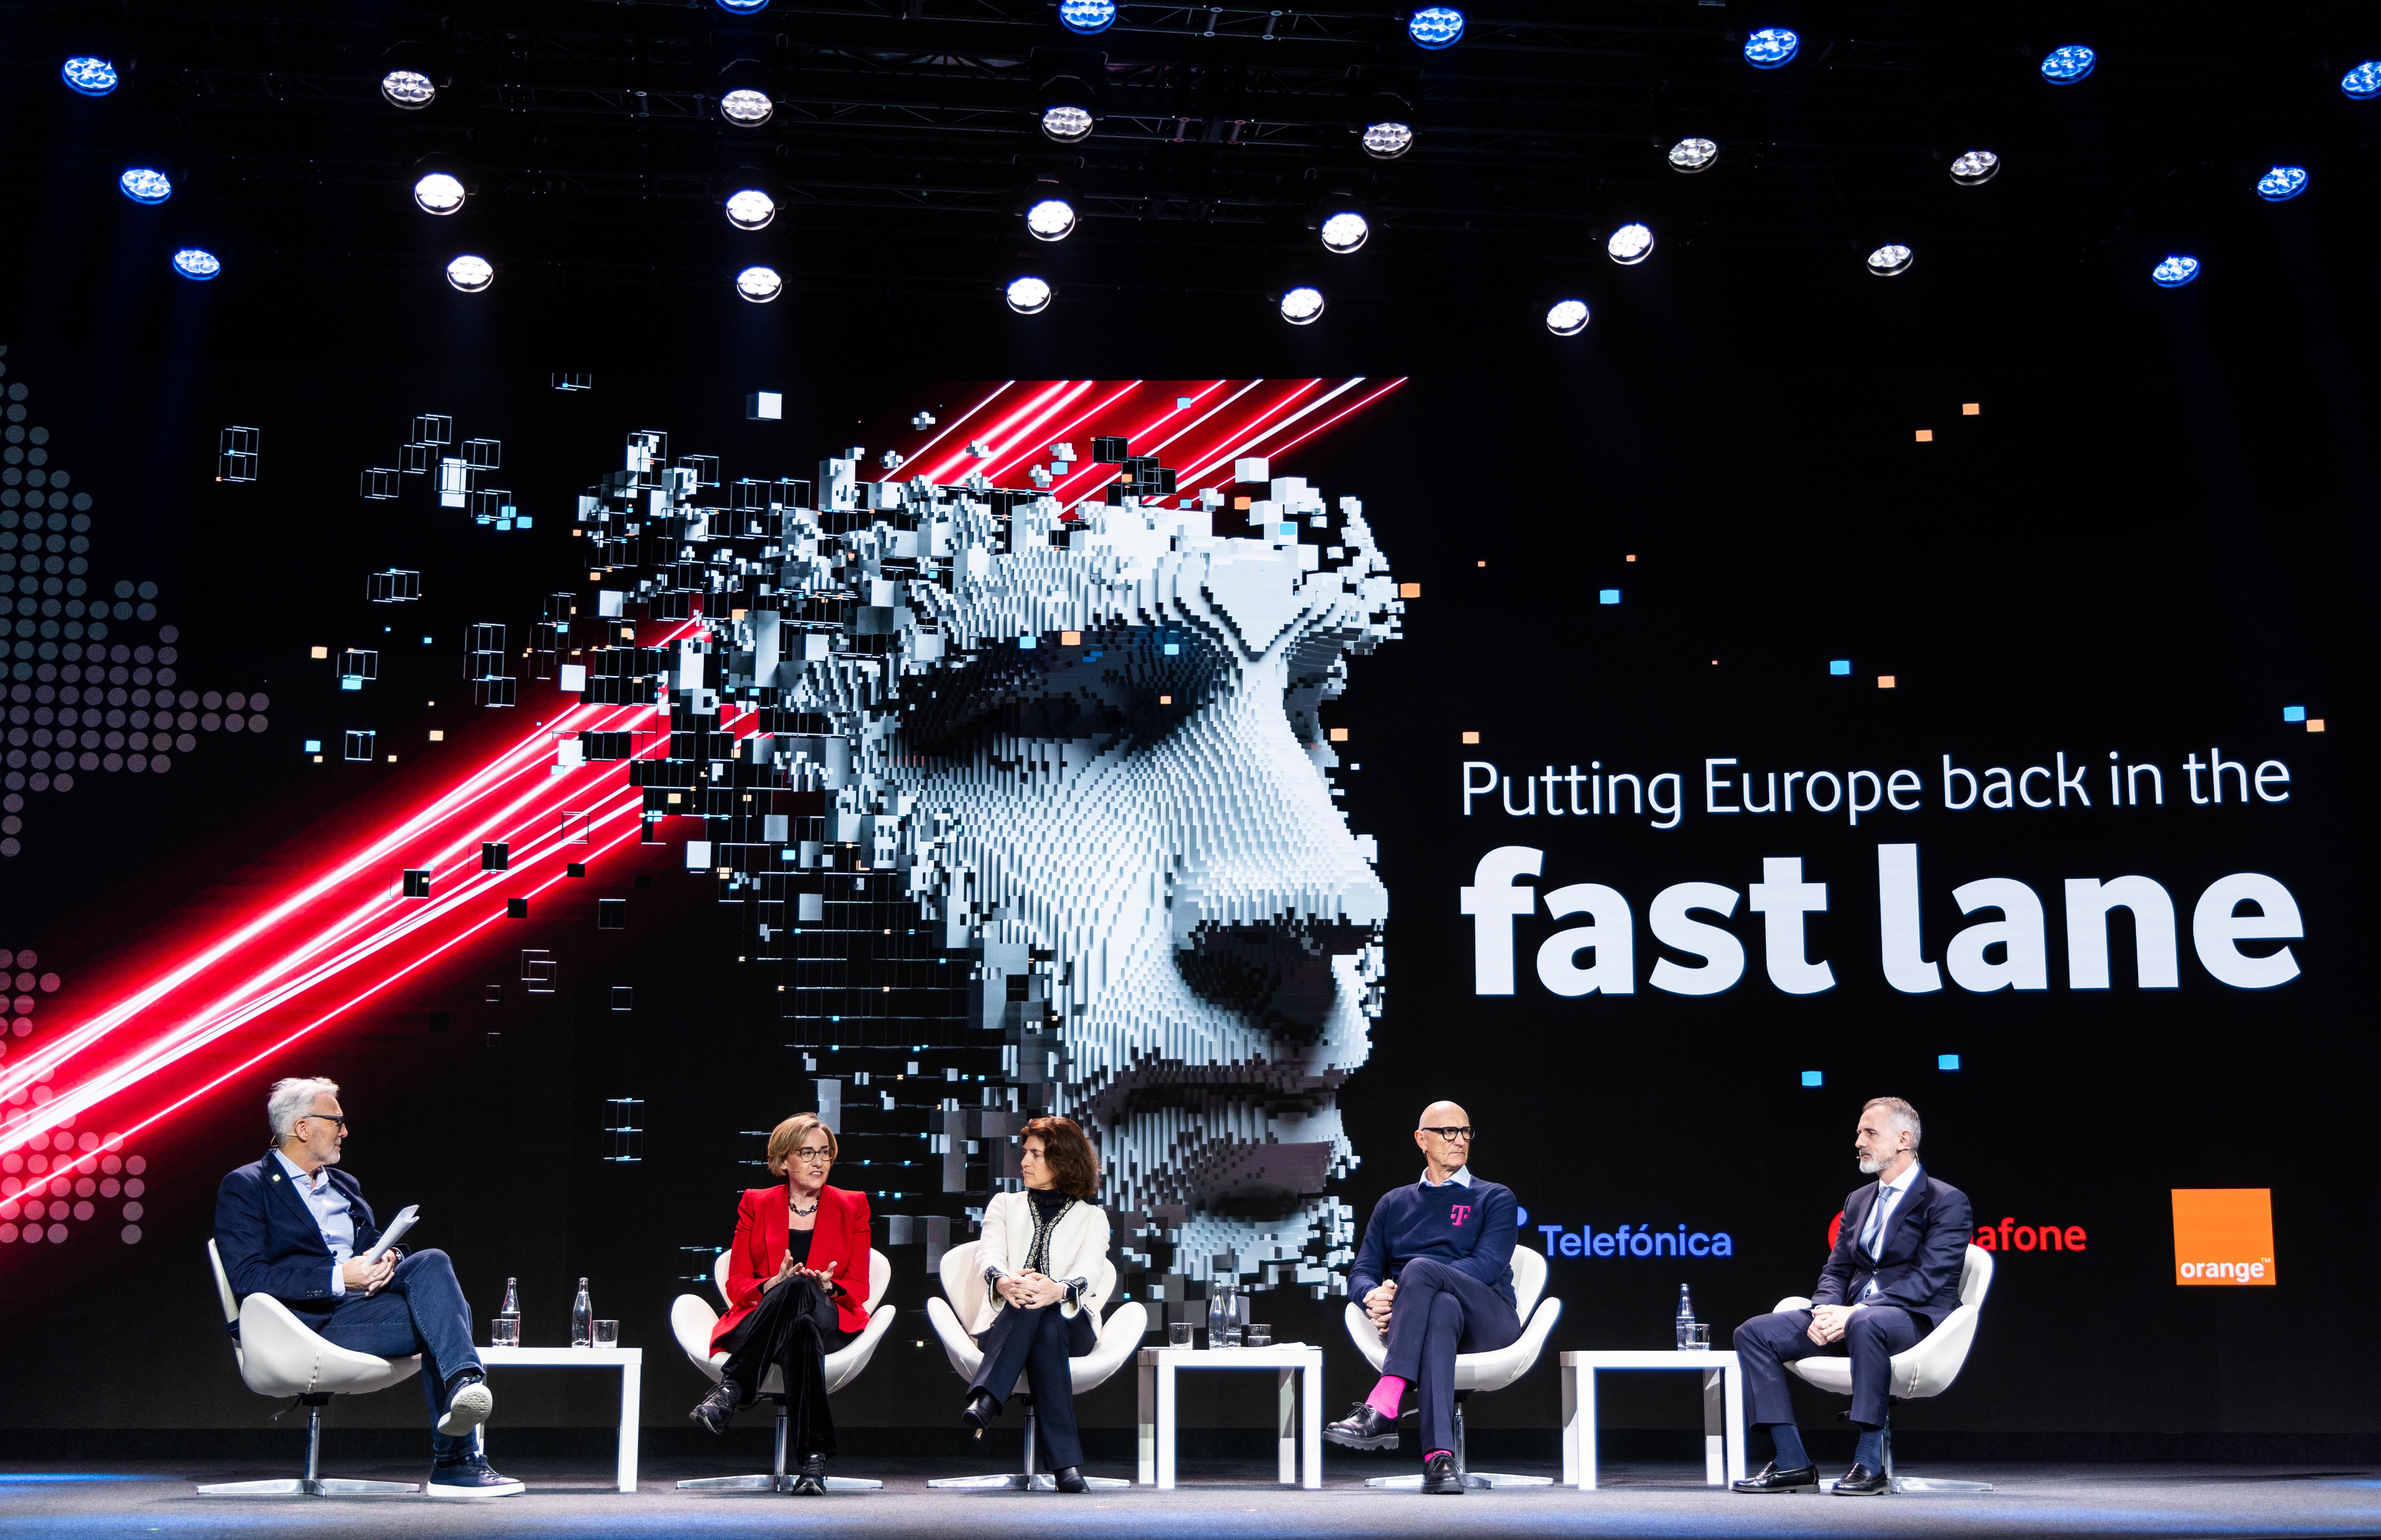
[
  {"x": 1440, "y": 1478},
  {"x": 1860, "y": 1482},
  {"x": 980, "y": 1412},
  {"x": 1071, "y": 1479},
  {"x": 1803, "y": 1478},
  {"x": 715, "y": 1411},
  {"x": 810, "y": 1480},
  {"x": 1363, "y": 1428}
]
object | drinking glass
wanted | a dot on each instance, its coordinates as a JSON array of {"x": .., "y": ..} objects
[
  {"x": 607, "y": 1334},
  {"x": 1260, "y": 1334},
  {"x": 1698, "y": 1337},
  {"x": 504, "y": 1332},
  {"x": 1231, "y": 1337},
  {"x": 1178, "y": 1334}
]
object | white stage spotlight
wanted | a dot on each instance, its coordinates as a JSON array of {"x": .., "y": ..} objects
[
  {"x": 1345, "y": 231},
  {"x": 751, "y": 209},
  {"x": 1890, "y": 261},
  {"x": 1065, "y": 124},
  {"x": 1693, "y": 155},
  {"x": 1976, "y": 168},
  {"x": 746, "y": 107},
  {"x": 1567, "y": 317},
  {"x": 1301, "y": 305},
  {"x": 1630, "y": 245},
  {"x": 409, "y": 89},
  {"x": 439, "y": 192},
  {"x": 1386, "y": 141},
  {"x": 1028, "y": 294},
  {"x": 760, "y": 284},
  {"x": 471, "y": 274},
  {"x": 1051, "y": 218}
]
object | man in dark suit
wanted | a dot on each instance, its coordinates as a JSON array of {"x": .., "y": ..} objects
[
  {"x": 294, "y": 1226},
  {"x": 1893, "y": 1277}
]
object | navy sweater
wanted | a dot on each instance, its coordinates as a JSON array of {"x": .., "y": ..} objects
[{"x": 1469, "y": 1228}]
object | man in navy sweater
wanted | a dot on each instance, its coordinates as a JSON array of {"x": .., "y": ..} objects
[{"x": 1435, "y": 1275}]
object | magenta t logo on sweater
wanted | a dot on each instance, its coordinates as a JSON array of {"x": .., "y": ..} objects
[{"x": 1462, "y": 1212}]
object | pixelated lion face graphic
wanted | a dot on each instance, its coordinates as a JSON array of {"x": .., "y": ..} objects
[{"x": 1091, "y": 737}]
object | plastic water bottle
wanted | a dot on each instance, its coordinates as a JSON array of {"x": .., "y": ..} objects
[
  {"x": 1686, "y": 1315},
  {"x": 582, "y": 1319}
]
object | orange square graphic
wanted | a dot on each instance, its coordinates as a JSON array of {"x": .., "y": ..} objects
[{"x": 2224, "y": 1235}]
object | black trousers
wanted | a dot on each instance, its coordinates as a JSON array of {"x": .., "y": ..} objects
[
  {"x": 792, "y": 1328},
  {"x": 1765, "y": 1344},
  {"x": 1037, "y": 1343},
  {"x": 1439, "y": 1312}
]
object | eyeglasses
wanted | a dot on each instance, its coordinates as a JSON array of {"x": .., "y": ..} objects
[
  {"x": 326, "y": 1118},
  {"x": 1453, "y": 1136},
  {"x": 816, "y": 1155}
]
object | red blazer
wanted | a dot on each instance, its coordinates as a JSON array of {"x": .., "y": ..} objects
[{"x": 841, "y": 1236}]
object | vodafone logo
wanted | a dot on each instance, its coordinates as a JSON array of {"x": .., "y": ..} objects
[{"x": 2007, "y": 1236}]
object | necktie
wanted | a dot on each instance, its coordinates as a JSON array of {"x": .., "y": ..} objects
[{"x": 1873, "y": 1233}]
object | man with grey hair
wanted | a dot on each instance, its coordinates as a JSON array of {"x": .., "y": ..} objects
[
  {"x": 294, "y": 1226},
  {"x": 1894, "y": 1275}
]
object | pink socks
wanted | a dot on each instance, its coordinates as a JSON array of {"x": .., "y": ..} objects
[
  {"x": 1436, "y": 1453},
  {"x": 1387, "y": 1396}
]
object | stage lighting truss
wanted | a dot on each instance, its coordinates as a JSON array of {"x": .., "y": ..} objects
[
  {"x": 471, "y": 274},
  {"x": 1049, "y": 213},
  {"x": 2362, "y": 83},
  {"x": 2175, "y": 271},
  {"x": 143, "y": 185},
  {"x": 1567, "y": 317},
  {"x": 1345, "y": 230},
  {"x": 1771, "y": 47},
  {"x": 1087, "y": 16},
  {"x": 1028, "y": 294},
  {"x": 1976, "y": 168},
  {"x": 1890, "y": 261},
  {"x": 751, "y": 209},
  {"x": 1067, "y": 124},
  {"x": 86, "y": 76},
  {"x": 747, "y": 107},
  {"x": 760, "y": 284},
  {"x": 1387, "y": 139},
  {"x": 1303, "y": 306},
  {"x": 2277, "y": 186},
  {"x": 1630, "y": 245},
  {"x": 407, "y": 88},
  {"x": 439, "y": 192},
  {"x": 193, "y": 262},
  {"x": 2067, "y": 65},
  {"x": 1435, "y": 26},
  {"x": 1691, "y": 156}
]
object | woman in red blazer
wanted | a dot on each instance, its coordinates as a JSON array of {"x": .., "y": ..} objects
[{"x": 797, "y": 1279}]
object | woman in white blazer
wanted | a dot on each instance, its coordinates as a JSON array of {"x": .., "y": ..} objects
[{"x": 1042, "y": 1254}]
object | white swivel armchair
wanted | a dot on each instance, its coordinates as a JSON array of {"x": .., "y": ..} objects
[
  {"x": 692, "y": 1321},
  {"x": 1120, "y": 1333},
  {"x": 1926, "y": 1369},
  {"x": 1488, "y": 1371},
  {"x": 280, "y": 1355}
]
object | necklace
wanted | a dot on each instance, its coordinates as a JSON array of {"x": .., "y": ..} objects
[{"x": 799, "y": 1209}]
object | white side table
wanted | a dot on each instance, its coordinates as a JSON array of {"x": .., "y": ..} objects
[
  {"x": 1723, "y": 1407},
  {"x": 629, "y": 1361},
  {"x": 1299, "y": 1429}
]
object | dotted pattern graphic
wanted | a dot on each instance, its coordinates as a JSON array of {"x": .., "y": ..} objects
[
  {"x": 1086, "y": 742},
  {"x": 91, "y": 680},
  {"x": 47, "y": 1189}
]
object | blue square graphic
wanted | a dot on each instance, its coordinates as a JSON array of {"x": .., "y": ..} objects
[
  {"x": 1841, "y": 666},
  {"x": 1815, "y": 1077},
  {"x": 2295, "y": 714},
  {"x": 1947, "y": 1061},
  {"x": 1608, "y": 596}
]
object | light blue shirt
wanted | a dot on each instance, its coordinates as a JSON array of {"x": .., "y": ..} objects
[
  {"x": 330, "y": 1206},
  {"x": 1462, "y": 1176},
  {"x": 1880, "y": 1217}
]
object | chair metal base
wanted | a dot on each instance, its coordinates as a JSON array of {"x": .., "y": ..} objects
[
  {"x": 1932, "y": 1484},
  {"x": 1473, "y": 1479},
  {"x": 298, "y": 1486},
  {"x": 775, "y": 1484},
  {"x": 1018, "y": 1481}
]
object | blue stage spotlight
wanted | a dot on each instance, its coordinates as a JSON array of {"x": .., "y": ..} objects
[
  {"x": 191, "y": 261},
  {"x": 1435, "y": 26},
  {"x": 1976, "y": 168},
  {"x": 90, "y": 77},
  {"x": 751, "y": 209},
  {"x": 1691, "y": 156},
  {"x": 743, "y": 7},
  {"x": 1567, "y": 317},
  {"x": 471, "y": 274},
  {"x": 1890, "y": 261},
  {"x": 2277, "y": 186},
  {"x": 1302, "y": 306},
  {"x": 1028, "y": 294},
  {"x": 1345, "y": 230},
  {"x": 2363, "y": 82},
  {"x": 2064, "y": 67},
  {"x": 1630, "y": 245},
  {"x": 143, "y": 185},
  {"x": 2175, "y": 272},
  {"x": 760, "y": 284},
  {"x": 1087, "y": 16},
  {"x": 1770, "y": 47}
]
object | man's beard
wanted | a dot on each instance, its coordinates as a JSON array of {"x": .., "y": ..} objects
[{"x": 1871, "y": 1165}]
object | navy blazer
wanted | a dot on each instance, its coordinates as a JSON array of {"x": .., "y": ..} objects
[
  {"x": 1924, "y": 1250},
  {"x": 270, "y": 1242}
]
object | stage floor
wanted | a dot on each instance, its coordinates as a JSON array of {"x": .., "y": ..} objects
[{"x": 574, "y": 1500}]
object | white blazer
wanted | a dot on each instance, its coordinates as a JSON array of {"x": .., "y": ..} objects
[{"x": 1079, "y": 1248}]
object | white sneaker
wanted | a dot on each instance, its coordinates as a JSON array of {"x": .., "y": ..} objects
[{"x": 469, "y": 1406}]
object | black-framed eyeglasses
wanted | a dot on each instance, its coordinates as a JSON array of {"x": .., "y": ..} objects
[
  {"x": 1452, "y": 1135},
  {"x": 328, "y": 1118}
]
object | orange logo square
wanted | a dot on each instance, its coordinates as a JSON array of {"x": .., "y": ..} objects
[{"x": 2224, "y": 1235}]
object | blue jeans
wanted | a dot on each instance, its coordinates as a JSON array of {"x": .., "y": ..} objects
[{"x": 420, "y": 1310}]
